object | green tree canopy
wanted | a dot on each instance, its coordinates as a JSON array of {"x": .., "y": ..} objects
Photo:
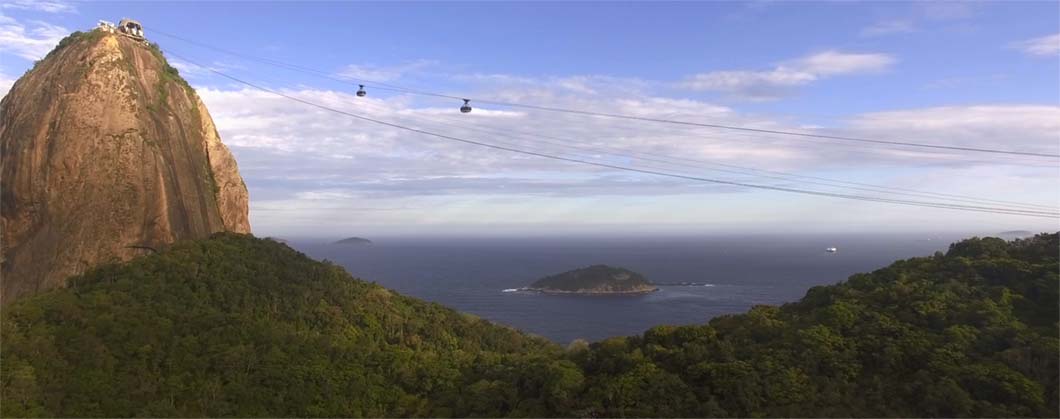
[{"x": 238, "y": 326}]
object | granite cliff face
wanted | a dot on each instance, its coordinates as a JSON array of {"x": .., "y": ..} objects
[{"x": 106, "y": 153}]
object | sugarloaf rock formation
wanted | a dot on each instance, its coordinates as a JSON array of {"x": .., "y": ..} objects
[{"x": 106, "y": 154}]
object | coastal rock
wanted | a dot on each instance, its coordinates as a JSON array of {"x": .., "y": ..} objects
[
  {"x": 354, "y": 241},
  {"x": 596, "y": 279}
]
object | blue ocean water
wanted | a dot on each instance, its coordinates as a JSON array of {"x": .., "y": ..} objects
[{"x": 471, "y": 275}]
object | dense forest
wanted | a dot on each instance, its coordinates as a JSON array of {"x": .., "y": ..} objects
[{"x": 238, "y": 326}]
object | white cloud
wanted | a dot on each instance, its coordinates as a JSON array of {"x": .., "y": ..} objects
[
  {"x": 40, "y": 6},
  {"x": 381, "y": 73},
  {"x": 5, "y": 83},
  {"x": 185, "y": 68},
  {"x": 517, "y": 88},
  {"x": 888, "y": 27},
  {"x": 307, "y": 167},
  {"x": 831, "y": 63},
  {"x": 194, "y": 71},
  {"x": 287, "y": 151},
  {"x": 774, "y": 83},
  {"x": 1032, "y": 128},
  {"x": 750, "y": 83},
  {"x": 30, "y": 42},
  {"x": 1044, "y": 46}
]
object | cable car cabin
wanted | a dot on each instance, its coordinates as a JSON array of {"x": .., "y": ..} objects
[{"x": 132, "y": 28}]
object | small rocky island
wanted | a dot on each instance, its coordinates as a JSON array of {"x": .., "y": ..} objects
[
  {"x": 596, "y": 279},
  {"x": 354, "y": 241}
]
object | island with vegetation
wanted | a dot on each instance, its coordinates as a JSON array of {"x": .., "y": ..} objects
[
  {"x": 354, "y": 241},
  {"x": 596, "y": 279},
  {"x": 239, "y": 326}
]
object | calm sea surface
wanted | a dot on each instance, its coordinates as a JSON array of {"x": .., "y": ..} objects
[{"x": 471, "y": 275}]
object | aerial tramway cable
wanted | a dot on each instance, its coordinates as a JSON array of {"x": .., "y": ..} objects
[
  {"x": 742, "y": 170},
  {"x": 928, "y": 204},
  {"x": 385, "y": 86},
  {"x": 568, "y": 143}
]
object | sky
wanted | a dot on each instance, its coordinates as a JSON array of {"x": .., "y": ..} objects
[{"x": 981, "y": 75}]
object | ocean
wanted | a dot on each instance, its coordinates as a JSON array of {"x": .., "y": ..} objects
[{"x": 734, "y": 273}]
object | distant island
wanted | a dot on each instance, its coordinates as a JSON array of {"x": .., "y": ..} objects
[
  {"x": 1016, "y": 233},
  {"x": 596, "y": 279},
  {"x": 355, "y": 241}
]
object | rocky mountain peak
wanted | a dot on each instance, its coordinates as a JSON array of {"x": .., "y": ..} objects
[{"x": 106, "y": 153}]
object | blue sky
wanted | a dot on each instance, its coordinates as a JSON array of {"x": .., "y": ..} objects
[{"x": 971, "y": 74}]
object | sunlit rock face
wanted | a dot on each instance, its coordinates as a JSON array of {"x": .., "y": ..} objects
[{"x": 105, "y": 154}]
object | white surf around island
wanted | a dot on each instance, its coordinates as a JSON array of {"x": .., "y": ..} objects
[
  {"x": 684, "y": 284},
  {"x": 675, "y": 284}
]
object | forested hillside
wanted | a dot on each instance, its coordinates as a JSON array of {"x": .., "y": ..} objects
[
  {"x": 972, "y": 332},
  {"x": 238, "y": 326}
]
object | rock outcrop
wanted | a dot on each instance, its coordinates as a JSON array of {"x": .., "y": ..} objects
[
  {"x": 354, "y": 241},
  {"x": 105, "y": 154},
  {"x": 596, "y": 279}
]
